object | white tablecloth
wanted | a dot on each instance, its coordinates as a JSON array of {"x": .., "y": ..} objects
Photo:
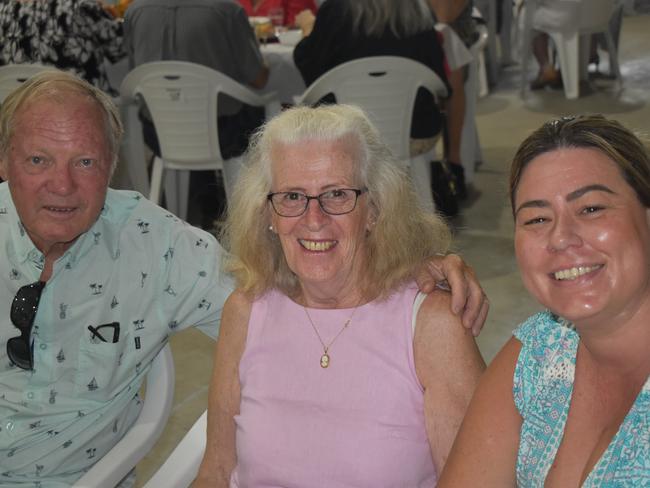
[{"x": 284, "y": 78}]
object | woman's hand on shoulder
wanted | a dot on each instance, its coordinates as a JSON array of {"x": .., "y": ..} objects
[
  {"x": 468, "y": 299},
  {"x": 448, "y": 365}
]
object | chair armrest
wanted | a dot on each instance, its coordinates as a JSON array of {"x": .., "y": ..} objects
[
  {"x": 182, "y": 465},
  {"x": 139, "y": 440}
]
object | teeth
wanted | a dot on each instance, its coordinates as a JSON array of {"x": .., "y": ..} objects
[
  {"x": 573, "y": 273},
  {"x": 316, "y": 245},
  {"x": 58, "y": 209}
]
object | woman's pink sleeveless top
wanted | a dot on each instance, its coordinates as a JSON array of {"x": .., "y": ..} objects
[{"x": 358, "y": 423}]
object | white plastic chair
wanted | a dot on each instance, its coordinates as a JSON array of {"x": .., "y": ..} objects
[
  {"x": 139, "y": 440},
  {"x": 385, "y": 88},
  {"x": 573, "y": 44},
  {"x": 183, "y": 101},
  {"x": 182, "y": 465},
  {"x": 13, "y": 75}
]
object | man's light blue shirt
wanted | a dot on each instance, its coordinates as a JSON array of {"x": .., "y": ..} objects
[{"x": 139, "y": 266}]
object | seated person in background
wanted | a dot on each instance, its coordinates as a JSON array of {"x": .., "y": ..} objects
[
  {"x": 457, "y": 14},
  {"x": 213, "y": 33},
  {"x": 555, "y": 14},
  {"x": 567, "y": 400},
  {"x": 93, "y": 281},
  {"x": 331, "y": 369},
  {"x": 289, "y": 8},
  {"x": 72, "y": 35},
  {"x": 350, "y": 29}
]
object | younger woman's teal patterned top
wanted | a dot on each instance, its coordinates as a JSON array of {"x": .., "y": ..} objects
[{"x": 543, "y": 384}]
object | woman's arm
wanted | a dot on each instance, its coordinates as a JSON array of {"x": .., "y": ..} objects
[
  {"x": 485, "y": 451},
  {"x": 449, "y": 365},
  {"x": 220, "y": 455}
]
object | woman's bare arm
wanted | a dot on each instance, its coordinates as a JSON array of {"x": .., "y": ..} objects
[
  {"x": 220, "y": 455},
  {"x": 449, "y": 365},
  {"x": 485, "y": 451}
]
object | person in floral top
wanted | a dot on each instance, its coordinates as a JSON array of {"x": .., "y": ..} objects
[{"x": 73, "y": 35}]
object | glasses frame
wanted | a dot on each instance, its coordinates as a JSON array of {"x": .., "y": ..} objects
[
  {"x": 96, "y": 332},
  {"x": 23, "y": 313},
  {"x": 357, "y": 192}
]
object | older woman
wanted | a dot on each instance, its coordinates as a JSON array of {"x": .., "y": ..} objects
[
  {"x": 330, "y": 370},
  {"x": 567, "y": 400}
]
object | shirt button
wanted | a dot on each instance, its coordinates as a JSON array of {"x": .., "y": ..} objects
[
  {"x": 43, "y": 346},
  {"x": 30, "y": 395},
  {"x": 9, "y": 426}
]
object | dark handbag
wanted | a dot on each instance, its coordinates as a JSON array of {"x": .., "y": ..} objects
[
  {"x": 443, "y": 181},
  {"x": 443, "y": 187}
]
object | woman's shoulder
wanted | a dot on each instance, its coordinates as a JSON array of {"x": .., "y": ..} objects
[
  {"x": 548, "y": 350},
  {"x": 543, "y": 329}
]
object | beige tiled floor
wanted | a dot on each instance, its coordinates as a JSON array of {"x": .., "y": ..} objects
[{"x": 485, "y": 228}]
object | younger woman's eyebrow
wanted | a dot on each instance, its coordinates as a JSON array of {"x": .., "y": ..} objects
[
  {"x": 574, "y": 195},
  {"x": 586, "y": 189}
]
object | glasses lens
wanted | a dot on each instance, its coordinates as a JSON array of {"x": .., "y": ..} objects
[
  {"x": 289, "y": 204},
  {"x": 23, "y": 312},
  {"x": 25, "y": 305},
  {"x": 19, "y": 352},
  {"x": 339, "y": 201}
]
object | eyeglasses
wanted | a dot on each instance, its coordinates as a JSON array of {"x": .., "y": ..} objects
[
  {"x": 99, "y": 333},
  {"x": 338, "y": 201},
  {"x": 23, "y": 312}
]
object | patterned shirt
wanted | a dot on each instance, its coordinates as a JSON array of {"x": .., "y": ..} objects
[
  {"x": 138, "y": 266},
  {"x": 73, "y": 35},
  {"x": 543, "y": 384}
]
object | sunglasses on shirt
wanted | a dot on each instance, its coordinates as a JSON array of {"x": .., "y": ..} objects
[{"x": 23, "y": 313}]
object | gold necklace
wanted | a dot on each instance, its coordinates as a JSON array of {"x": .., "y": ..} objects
[{"x": 325, "y": 358}]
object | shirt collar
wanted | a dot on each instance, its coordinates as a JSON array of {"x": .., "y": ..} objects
[{"x": 24, "y": 249}]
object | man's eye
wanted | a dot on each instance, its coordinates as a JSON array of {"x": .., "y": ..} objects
[
  {"x": 86, "y": 162},
  {"x": 36, "y": 160}
]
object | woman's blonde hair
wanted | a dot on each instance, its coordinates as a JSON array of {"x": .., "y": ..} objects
[
  {"x": 58, "y": 85},
  {"x": 403, "y": 236},
  {"x": 608, "y": 136}
]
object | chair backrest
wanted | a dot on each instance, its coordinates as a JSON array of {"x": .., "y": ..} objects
[
  {"x": 13, "y": 75},
  {"x": 383, "y": 86},
  {"x": 183, "y": 101},
  {"x": 138, "y": 441}
]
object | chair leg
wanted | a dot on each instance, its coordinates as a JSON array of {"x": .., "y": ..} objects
[
  {"x": 420, "y": 172},
  {"x": 568, "y": 52},
  {"x": 230, "y": 172},
  {"x": 156, "y": 180},
  {"x": 183, "y": 185},
  {"x": 177, "y": 183},
  {"x": 614, "y": 67}
]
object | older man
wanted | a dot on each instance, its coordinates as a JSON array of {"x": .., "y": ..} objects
[
  {"x": 99, "y": 279},
  {"x": 92, "y": 283}
]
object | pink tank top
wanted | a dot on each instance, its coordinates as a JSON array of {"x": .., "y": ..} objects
[{"x": 358, "y": 423}]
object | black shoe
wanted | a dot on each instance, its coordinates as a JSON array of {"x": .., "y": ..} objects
[{"x": 459, "y": 175}]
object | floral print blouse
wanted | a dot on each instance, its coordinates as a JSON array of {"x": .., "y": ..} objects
[{"x": 73, "y": 35}]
